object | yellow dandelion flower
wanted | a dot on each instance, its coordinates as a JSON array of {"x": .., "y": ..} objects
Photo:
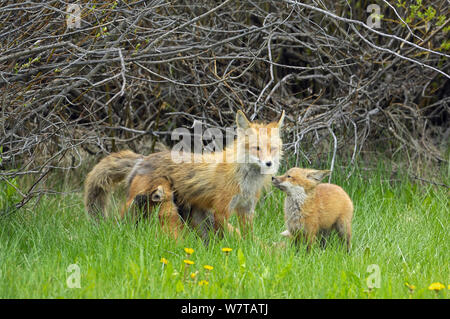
[
  {"x": 226, "y": 249},
  {"x": 188, "y": 262},
  {"x": 189, "y": 251},
  {"x": 203, "y": 283},
  {"x": 436, "y": 286},
  {"x": 410, "y": 287},
  {"x": 208, "y": 267},
  {"x": 193, "y": 275},
  {"x": 164, "y": 260}
]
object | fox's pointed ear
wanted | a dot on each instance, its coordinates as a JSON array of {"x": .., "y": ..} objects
[
  {"x": 318, "y": 175},
  {"x": 242, "y": 121},
  {"x": 281, "y": 120}
]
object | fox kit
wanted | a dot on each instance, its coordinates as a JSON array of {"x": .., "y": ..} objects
[
  {"x": 221, "y": 182},
  {"x": 147, "y": 193},
  {"x": 312, "y": 208}
]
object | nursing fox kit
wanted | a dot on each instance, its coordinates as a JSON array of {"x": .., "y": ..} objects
[{"x": 148, "y": 193}]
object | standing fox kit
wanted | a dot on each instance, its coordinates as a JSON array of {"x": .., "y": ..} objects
[{"x": 312, "y": 208}]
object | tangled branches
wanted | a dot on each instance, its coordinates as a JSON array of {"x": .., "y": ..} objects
[{"x": 128, "y": 72}]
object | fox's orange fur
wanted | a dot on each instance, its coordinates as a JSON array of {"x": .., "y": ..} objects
[
  {"x": 312, "y": 208},
  {"x": 218, "y": 182},
  {"x": 102, "y": 178}
]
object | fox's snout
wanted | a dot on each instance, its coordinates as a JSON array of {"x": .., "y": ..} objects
[
  {"x": 267, "y": 164},
  {"x": 263, "y": 159},
  {"x": 277, "y": 183}
]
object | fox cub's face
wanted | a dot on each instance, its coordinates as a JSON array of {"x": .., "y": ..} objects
[
  {"x": 299, "y": 179},
  {"x": 260, "y": 144}
]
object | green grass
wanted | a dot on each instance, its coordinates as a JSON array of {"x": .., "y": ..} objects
[{"x": 401, "y": 227}]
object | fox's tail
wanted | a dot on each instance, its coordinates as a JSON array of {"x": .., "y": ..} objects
[{"x": 109, "y": 171}]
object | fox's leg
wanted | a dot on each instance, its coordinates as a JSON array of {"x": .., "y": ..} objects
[
  {"x": 142, "y": 206},
  {"x": 221, "y": 214},
  {"x": 219, "y": 221},
  {"x": 324, "y": 238},
  {"x": 234, "y": 230},
  {"x": 170, "y": 220},
  {"x": 310, "y": 233},
  {"x": 129, "y": 208},
  {"x": 137, "y": 208},
  {"x": 323, "y": 241},
  {"x": 344, "y": 229},
  {"x": 133, "y": 190},
  {"x": 310, "y": 239},
  {"x": 286, "y": 233},
  {"x": 297, "y": 239},
  {"x": 245, "y": 219},
  {"x": 202, "y": 221},
  {"x": 126, "y": 209}
]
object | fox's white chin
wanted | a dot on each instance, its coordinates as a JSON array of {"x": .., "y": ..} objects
[
  {"x": 263, "y": 167},
  {"x": 272, "y": 170}
]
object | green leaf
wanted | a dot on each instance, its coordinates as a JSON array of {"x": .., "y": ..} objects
[
  {"x": 441, "y": 20},
  {"x": 284, "y": 271},
  {"x": 445, "y": 45},
  {"x": 241, "y": 258},
  {"x": 367, "y": 252},
  {"x": 353, "y": 278},
  {"x": 179, "y": 286},
  {"x": 134, "y": 270},
  {"x": 430, "y": 13}
]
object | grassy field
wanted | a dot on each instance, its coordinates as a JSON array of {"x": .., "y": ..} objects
[{"x": 400, "y": 227}]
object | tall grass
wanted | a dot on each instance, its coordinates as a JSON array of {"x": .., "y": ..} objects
[{"x": 399, "y": 226}]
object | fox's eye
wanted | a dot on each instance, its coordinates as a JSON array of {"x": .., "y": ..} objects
[
  {"x": 289, "y": 176},
  {"x": 256, "y": 148}
]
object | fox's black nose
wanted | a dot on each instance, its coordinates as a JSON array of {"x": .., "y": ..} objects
[{"x": 269, "y": 164}]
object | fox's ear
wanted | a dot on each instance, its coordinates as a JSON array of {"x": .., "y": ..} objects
[
  {"x": 281, "y": 120},
  {"x": 318, "y": 175},
  {"x": 242, "y": 121},
  {"x": 158, "y": 194}
]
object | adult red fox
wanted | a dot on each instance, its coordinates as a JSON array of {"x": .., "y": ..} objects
[
  {"x": 311, "y": 208},
  {"x": 220, "y": 182}
]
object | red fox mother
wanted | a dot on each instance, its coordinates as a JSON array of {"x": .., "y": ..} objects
[{"x": 222, "y": 182}]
